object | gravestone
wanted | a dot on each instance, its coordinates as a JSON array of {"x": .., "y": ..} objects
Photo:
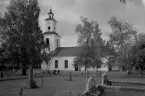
[
  {"x": 128, "y": 72},
  {"x": 133, "y": 69},
  {"x": 88, "y": 84},
  {"x": 70, "y": 76},
  {"x": 31, "y": 83},
  {"x": 104, "y": 78}
]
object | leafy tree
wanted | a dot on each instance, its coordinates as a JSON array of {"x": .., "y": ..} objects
[
  {"x": 110, "y": 53},
  {"x": 137, "y": 52},
  {"x": 24, "y": 38},
  {"x": 120, "y": 36},
  {"x": 89, "y": 39},
  {"x": 140, "y": 59}
]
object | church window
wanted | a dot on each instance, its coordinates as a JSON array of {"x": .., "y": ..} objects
[
  {"x": 66, "y": 64},
  {"x": 57, "y": 42},
  {"x": 49, "y": 28},
  {"x": 56, "y": 63},
  {"x": 47, "y": 41}
]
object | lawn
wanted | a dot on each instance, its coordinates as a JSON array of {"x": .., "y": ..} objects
[
  {"x": 52, "y": 86},
  {"x": 61, "y": 86}
]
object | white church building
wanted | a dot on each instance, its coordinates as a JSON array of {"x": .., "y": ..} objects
[{"x": 62, "y": 57}]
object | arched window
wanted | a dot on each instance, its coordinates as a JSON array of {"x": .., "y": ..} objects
[
  {"x": 66, "y": 64},
  {"x": 49, "y": 28},
  {"x": 56, "y": 63},
  {"x": 47, "y": 41}
]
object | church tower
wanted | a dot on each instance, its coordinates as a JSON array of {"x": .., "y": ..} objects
[{"x": 51, "y": 37}]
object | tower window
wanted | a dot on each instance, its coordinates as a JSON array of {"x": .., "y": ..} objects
[
  {"x": 49, "y": 28},
  {"x": 66, "y": 64},
  {"x": 56, "y": 63},
  {"x": 47, "y": 41}
]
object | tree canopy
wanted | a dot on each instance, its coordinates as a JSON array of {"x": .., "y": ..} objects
[
  {"x": 119, "y": 39},
  {"x": 24, "y": 40},
  {"x": 90, "y": 40}
]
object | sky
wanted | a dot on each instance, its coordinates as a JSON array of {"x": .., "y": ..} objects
[{"x": 68, "y": 13}]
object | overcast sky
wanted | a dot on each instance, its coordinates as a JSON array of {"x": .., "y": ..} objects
[{"x": 68, "y": 12}]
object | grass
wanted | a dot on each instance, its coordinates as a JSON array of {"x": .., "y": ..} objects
[
  {"x": 61, "y": 86},
  {"x": 52, "y": 86}
]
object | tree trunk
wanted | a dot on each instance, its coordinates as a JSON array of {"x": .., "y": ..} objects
[
  {"x": 85, "y": 68},
  {"x": 24, "y": 70},
  {"x": 140, "y": 70}
]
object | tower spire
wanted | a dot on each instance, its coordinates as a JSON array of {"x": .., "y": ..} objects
[{"x": 50, "y": 14}]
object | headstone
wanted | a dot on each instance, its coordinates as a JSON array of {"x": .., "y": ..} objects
[
  {"x": 70, "y": 76},
  {"x": 133, "y": 69},
  {"x": 128, "y": 72},
  {"x": 105, "y": 80},
  {"x": 31, "y": 83},
  {"x": 88, "y": 83}
]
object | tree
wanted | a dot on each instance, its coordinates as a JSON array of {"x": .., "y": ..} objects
[
  {"x": 25, "y": 39},
  {"x": 120, "y": 36},
  {"x": 110, "y": 53},
  {"x": 138, "y": 51},
  {"x": 140, "y": 59},
  {"x": 89, "y": 39}
]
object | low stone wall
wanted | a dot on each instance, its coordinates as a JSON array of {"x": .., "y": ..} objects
[
  {"x": 107, "y": 88},
  {"x": 127, "y": 82},
  {"x": 122, "y": 88}
]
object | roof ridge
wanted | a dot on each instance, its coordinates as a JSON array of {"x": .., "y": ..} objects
[{"x": 71, "y": 47}]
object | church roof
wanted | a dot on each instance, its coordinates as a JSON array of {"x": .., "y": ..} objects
[
  {"x": 51, "y": 19},
  {"x": 68, "y": 51},
  {"x": 72, "y": 51},
  {"x": 50, "y": 32}
]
